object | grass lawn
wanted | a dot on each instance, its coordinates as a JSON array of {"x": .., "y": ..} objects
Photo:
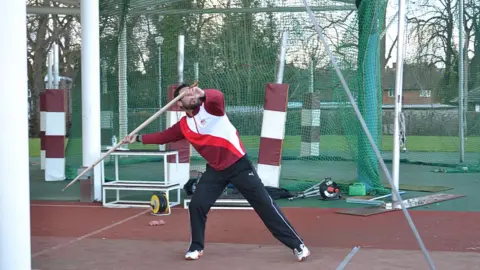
[{"x": 333, "y": 143}]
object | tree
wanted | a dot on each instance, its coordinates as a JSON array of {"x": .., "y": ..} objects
[
  {"x": 434, "y": 26},
  {"x": 472, "y": 35},
  {"x": 42, "y": 32},
  {"x": 434, "y": 32}
]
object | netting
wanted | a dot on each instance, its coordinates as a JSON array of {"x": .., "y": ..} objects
[{"x": 233, "y": 46}]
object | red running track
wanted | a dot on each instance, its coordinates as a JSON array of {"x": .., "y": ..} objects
[{"x": 440, "y": 231}]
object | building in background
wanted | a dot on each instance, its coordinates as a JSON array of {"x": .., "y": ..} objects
[{"x": 419, "y": 84}]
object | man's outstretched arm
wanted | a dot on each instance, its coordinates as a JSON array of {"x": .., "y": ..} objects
[{"x": 171, "y": 134}]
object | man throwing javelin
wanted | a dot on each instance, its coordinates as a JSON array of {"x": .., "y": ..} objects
[{"x": 208, "y": 129}]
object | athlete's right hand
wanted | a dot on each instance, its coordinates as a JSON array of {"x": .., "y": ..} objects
[{"x": 130, "y": 139}]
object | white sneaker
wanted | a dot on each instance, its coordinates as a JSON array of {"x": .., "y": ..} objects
[
  {"x": 193, "y": 255},
  {"x": 302, "y": 254}
]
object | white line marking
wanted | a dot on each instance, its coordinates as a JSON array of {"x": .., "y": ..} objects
[
  {"x": 90, "y": 234},
  {"x": 348, "y": 258},
  {"x": 67, "y": 205}
]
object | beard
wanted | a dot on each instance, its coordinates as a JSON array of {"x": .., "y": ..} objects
[{"x": 192, "y": 106}]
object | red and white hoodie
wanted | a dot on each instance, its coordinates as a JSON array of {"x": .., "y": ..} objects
[{"x": 209, "y": 131}]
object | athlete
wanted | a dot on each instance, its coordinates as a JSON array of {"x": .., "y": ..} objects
[{"x": 208, "y": 129}]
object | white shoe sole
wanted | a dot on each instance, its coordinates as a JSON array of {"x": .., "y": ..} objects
[
  {"x": 191, "y": 258},
  {"x": 303, "y": 258}
]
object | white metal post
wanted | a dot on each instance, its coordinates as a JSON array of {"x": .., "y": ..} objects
[
  {"x": 159, "y": 41},
  {"x": 180, "y": 57},
  {"x": 50, "y": 69},
  {"x": 56, "y": 68},
  {"x": 123, "y": 82},
  {"x": 104, "y": 76},
  {"x": 281, "y": 57},
  {"x": 196, "y": 71},
  {"x": 91, "y": 147},
  {"x": 15, "y": 248},
  {"x": 398, "y": 98},
  {"x": 312, "y": 78},
  {"x": 461, "y": 83}
]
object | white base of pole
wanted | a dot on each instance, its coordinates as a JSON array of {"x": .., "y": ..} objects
[
  {"x": 54, "y": 169},
  {"x": 269, "y": 174}
]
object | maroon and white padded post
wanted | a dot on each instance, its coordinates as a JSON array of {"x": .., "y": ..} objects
[
  {"x": 55, "y": 131},
  {"x": 273, "y": 133}
]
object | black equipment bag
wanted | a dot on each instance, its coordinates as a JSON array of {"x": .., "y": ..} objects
[{"x": 278, "y": 193}]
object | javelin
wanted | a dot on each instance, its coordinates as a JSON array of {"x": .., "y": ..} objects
[{"x": 138, "y": 129}]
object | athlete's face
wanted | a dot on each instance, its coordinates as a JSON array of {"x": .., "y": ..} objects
[{"x": 190, "y": 101}]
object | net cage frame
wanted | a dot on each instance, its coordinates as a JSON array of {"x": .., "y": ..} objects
[{"x": 123, "y": 94}]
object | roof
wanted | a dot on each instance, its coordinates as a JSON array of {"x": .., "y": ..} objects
[
  {"x": 415, "y": 77},
  {"x": 473, "y": 96}
]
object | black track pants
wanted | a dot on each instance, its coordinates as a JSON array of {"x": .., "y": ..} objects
[{"x": 244, "y": 177}]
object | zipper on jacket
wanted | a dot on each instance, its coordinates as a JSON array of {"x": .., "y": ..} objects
[{"x": 196, "y": 127}]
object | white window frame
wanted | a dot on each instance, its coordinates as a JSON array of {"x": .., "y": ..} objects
[
  {"x": 425, "y": 93},
  {"x": 391, "y": 92}
]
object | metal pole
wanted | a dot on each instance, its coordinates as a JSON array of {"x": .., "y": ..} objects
[
  {"x": 15, "y": 247},
  {"x": 281, "y": 58},
  {"x": 123, "y": 82},
  {"x": 53, "y": 10},
  {"x": 180, "y": 57},
  {"x": 159, "y": 41},
  {"x": 461, "y": 84},
  {"x": 56, "y": 68},
  {"x": 312, "y": 80},
  {"x": 369, "y": 135},
  {"x": 50, "y": 69},
  {"x": 196, "y": 71},
  {"x": 398, "y": 98},
  {"x": 91, "y": 136},
  {"x": 104, "y": 77}
]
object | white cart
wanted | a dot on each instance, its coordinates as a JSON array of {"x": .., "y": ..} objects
[{"x": 164, "y": 185}]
